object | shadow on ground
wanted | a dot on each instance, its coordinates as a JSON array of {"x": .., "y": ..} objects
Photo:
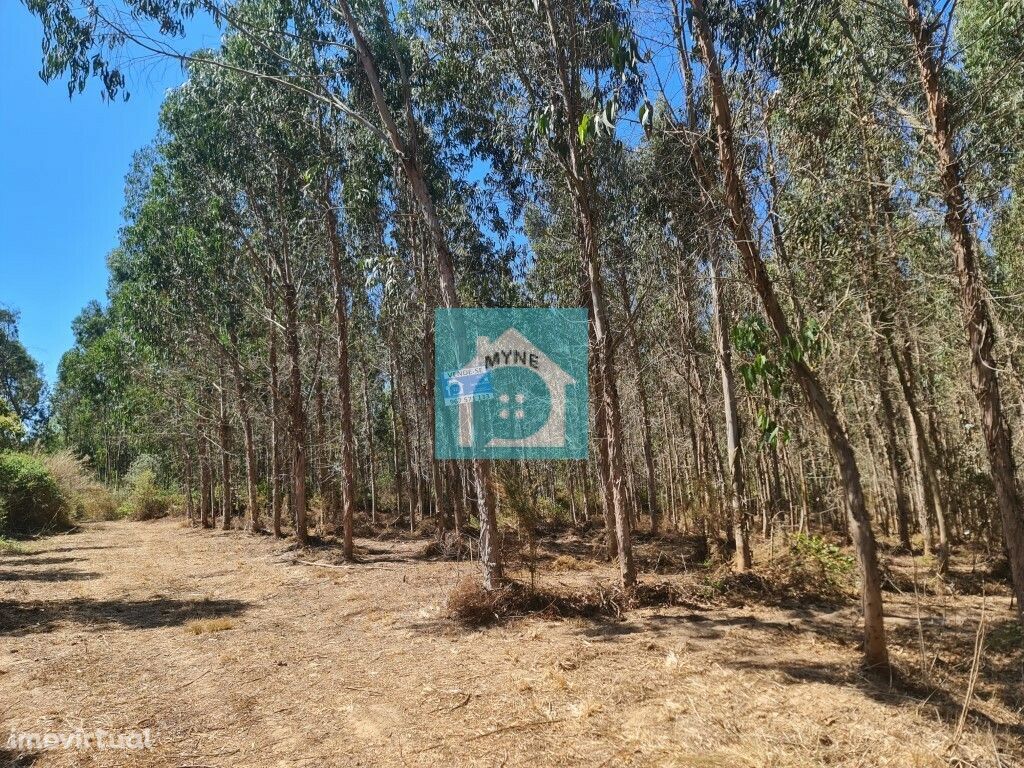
[
  {"x": 40, "y": 560},
  {"x": 58, "y": 574},
  {"x": 34, "y": 616},
  {"x": 11, "y": 759},
  {"x": 893, "y": 689}
]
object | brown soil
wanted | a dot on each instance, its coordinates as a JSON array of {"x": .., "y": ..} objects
[{"x": 235, "y": 654}]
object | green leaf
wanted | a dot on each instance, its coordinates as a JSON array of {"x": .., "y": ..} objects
[
  {"x": 646, "y": 115},
  {"x": 586, "y": 127}
]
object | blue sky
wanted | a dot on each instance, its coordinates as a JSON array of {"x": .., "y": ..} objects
[{"x": 62, "y": 167}]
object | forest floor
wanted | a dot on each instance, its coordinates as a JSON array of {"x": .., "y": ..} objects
[{"x": 233, "y": 653}]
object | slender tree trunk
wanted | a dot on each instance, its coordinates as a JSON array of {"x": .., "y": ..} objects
[
  {"x": 875, "y": 650},
  {"x": 348, "y": 487},
  {"x": 977, "y": 322},
  {"x": 296, "y": 410},
  {"x": 320, "y": 457},
  {"x": 371, "y": 462},
  {"x": 892, "y": 447},
  {"x": 407, "y": 151},
  {"x": 601, "y": 438},
  {"x": 252, "y": 518},
  {"x": 276, "y": 492},
  {"x": 733, "y": 438},
  {"x": 190, "y": 511},
  {"x": 927, "y": 482},
  {"x": 645, "y": 412},
  {"x": 395, "y": 405},
  {"x": 582, "y": 190},
  {"x": 205, "y": 480},
  {"x": 225, "y": 453}
]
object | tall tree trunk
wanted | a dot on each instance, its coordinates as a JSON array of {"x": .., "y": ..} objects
[
  {"x": 645, "y": 410},
  {"x": 582, "y": 189},
  {"x": 320, "y": 458},
  {"x": 190, "y": 511},
  {"x": 406, "y": 151},
  {"x": 927, "y": 479},
  {"x": 205, "y": 480},
  {"x": 977, "y": 322},
  {"x": 395, "y": 453},
  {"x": 892, "y": 446},
  {"x": 252, "y": 517},
  {"x": 276, "y": 491},
  {"x": 348, "y": 486},
  {"x": 225, "y": 453},
  {"x": 733, "y": 438},
  {"x": 371, "y": 461},
  {"x": 601, "y": 439},
  {"x": 875, "y": 651},
  {"x": 296, "y": 408}
]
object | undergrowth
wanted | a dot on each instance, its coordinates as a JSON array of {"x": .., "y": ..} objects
[{"x": 471, "y": 605}]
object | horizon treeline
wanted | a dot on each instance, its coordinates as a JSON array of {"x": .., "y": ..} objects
[{"x": 796, "y": 227}]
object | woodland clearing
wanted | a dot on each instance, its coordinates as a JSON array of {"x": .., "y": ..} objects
[{"x": 235, "y": 653}]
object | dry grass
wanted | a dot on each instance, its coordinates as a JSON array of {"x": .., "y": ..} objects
[
  {"x": 471, "y": 605},
  {"x": 359, "y": 664},
  {"x": 570, "y": 563},
  {"x": 206, "y": 626},
  {"x": 88, "y": 497}
]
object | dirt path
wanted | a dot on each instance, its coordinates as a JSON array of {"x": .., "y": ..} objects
[{"x": 356, "y": 666}]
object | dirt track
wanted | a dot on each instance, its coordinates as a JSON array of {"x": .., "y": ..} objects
[{"x": 356, "y": 666}]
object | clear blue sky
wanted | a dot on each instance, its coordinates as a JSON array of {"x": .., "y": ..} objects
[{"x": 62, "y": 167}]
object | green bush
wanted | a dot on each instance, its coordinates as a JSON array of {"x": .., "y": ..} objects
[
  {"x": 31, "y": 498},
  {"x": 145, "y": 500},
  {"x": 834, "y": 564}
]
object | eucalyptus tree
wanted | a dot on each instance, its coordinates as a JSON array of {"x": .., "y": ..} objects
[
  {"x": 977, "y": 317},
  {"x": 21, "y": 381},
  {"x": 567, "y": 68},
  {"x": 735, "y": 196}
]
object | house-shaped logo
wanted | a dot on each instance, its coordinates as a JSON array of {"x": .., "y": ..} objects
[{"x": 521, "y": 389}]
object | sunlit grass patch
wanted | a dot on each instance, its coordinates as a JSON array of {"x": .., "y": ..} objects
[
  {"x": 11, "y": 547},
  {"x": 203, "y": 626}
]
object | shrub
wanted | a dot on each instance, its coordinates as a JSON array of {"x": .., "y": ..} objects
[
  {"x": 33, "y": 500},
  {"x": 833, "y": 564},
  {"x": 89, "y": 498},
  {"x": 143, "y": 464},
  {"x": 145, "y": 501}
]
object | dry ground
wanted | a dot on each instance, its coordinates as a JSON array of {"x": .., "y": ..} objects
[{"x": 233, "y": 654}]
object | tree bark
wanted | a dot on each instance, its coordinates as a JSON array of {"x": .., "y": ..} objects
[
  {"x": 645, "y": 411},
  {"x": 276, "y": 492},
  {"x": 190, "y": 511},
  {"x": 875, "y": 651},
  {"x": 733, "y": 437},
  {"x": 344, "y": 380},
  {"x": 977, "y": 322},
  {"x": 581, "y": 189},
  {"x": 225, "y": 453},
  {"x": 371, "y": 461},
  {"x": 205, "y": 480},
  {"x": 407, "y": 152},
  {"x": 296, "y": 407},
  {"x": 252, "y": 518}
]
